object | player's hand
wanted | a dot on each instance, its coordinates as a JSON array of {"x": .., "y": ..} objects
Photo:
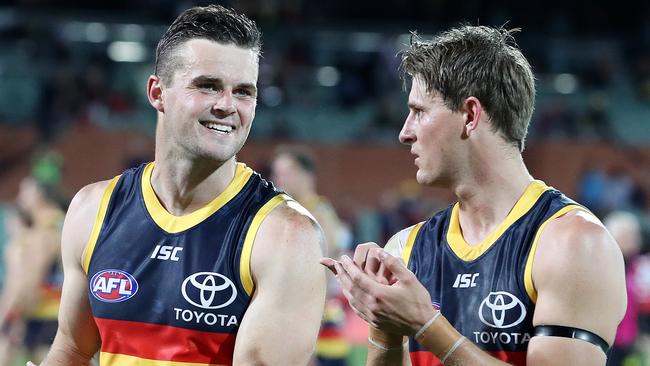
[
  {"x": 366, "y": 257},
  {"x": 401, "y": 307},
  {"x": 30, "y": 363}
]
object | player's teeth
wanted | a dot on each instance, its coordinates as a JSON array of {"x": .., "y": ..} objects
[{"x": 218, "y": 127}]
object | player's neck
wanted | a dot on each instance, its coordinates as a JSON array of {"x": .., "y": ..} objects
[
  {"x": 488, "y": 195},
  {"x": 184, "y": 186}
]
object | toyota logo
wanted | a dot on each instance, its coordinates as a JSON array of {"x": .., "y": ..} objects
[
  {"x": 501, "y": 310},
  {"x": 209, "y": 290}
]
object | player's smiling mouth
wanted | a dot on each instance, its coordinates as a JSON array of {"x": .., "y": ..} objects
[{"x": 217, "y": 127}]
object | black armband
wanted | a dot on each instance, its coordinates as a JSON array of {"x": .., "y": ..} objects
[{"x": 570, "y": 332}]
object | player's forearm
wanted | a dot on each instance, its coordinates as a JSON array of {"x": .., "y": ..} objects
[
  {"x": 468, "y": 354},
  {"x": 65, "y": 353},
  {"x": 444, "y": 341},
  {"x": 262, "y": 350},
  {"x": 386, "y": 349},
  {"x": 378, "y": 357},
  {"x": 65, "y": 357}
]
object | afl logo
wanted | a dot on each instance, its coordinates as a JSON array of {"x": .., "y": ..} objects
[
  {"x": 501, "y": 310},
  {"x": 113, "y": 285},
  {"x": 209, "y": 290}
]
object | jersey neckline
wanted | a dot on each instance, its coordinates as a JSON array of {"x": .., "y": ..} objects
[
  {"x": 175, "y": 224},
  {"x": 468, "y": 252}
]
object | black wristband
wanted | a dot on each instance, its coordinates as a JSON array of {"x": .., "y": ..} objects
[{"x": 570, "y": 332}]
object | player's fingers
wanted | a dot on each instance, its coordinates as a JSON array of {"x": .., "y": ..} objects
[
  {"x": 358, "y": 278},
  {"x": 384, "y": 275},
  {"x": 343, "y": 279},
  {"x": 395, "y": 265},
  {"x": 329, "y": 263},
  {"x": 355, "y": 296},
  {"x": 392, "y": 278},
  {"x": 350, "y": 275},
  {"x": 372, "y": 262},
  {"x": 361, "y": 253}
]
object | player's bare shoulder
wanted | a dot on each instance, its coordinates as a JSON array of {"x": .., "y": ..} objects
[
  {"x": 578, "y": 234},
  {"x": 289, "y": 228},
  {"x": 291, "y": 219},
  {"x": 81, "y": 216},
  {"x": 287, "y": 248}
]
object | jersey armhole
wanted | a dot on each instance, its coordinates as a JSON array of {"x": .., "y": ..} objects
[
  {"x": 528, "y": 270},
  {"x": 245, "y": 275},
  {"x": 410, "y": 241},
  {"x": 97, "y": 226}
]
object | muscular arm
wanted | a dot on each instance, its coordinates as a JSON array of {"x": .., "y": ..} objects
[
  {"x": 579, "y": 276},
  {"x": 281, "y": 324},
  {"x": 77, "y": 338}
]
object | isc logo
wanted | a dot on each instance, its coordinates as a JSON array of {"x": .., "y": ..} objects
[
  {"x": 166, "y": 252},
  {"x": 113, "y": 285},
  {"x": 465, "y": 280}
]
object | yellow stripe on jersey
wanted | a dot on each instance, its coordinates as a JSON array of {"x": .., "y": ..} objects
[
  {"x": 247, "y": 249},
  {"x": 99, "y": 221},
  {"x": 175, "y": 224},
  {"x": 528, "y": 271},
  {"x": 408, "y": 248},
  {"x": 468, "y": 252},
  {"x": 114, "y": 359}
]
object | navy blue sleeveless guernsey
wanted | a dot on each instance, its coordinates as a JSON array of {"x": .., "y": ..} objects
[
  {"x": 486, "y": 290},
  {"x": 168, "y": 290}
]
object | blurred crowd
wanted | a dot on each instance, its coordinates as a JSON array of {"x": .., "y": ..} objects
[{"x": 77, "y": 67}]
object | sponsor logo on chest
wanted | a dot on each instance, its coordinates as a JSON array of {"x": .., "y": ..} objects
[
  {"x": 207, "y": 291},
  {"x": 501, "y": 311}
]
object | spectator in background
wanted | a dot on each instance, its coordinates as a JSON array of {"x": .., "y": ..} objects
[
  {"x": 596, "y": 120},
  {"x": 32, "y": 288},
  {"x": 555, "y": 118},
  {"x": 607, "y": 188},
  {"x": 405, "y": 206},
  {"x": 592, "y": 188},
  {"x": 47, "y": 168}
]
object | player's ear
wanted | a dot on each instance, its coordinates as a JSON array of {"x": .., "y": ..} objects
[
  {"x": 155, "y": 93},
  {"x": 472, "y": 110}
]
